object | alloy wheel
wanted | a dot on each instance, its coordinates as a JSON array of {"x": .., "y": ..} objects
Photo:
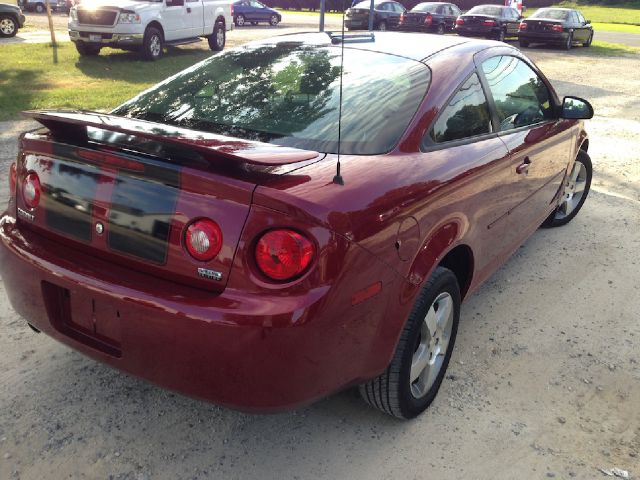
[
  {"x": 431, "y": 348},
  {"x": 574, "y": 189},
  {"x": 155, "y": 46},
  {"x": 7, "y": 26}
]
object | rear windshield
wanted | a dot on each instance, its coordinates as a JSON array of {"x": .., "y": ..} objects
[
  {"x": 551, "y": 13},
  {"x": 425, "y": 7},
  {"x": 486, "y": 10},
  {"x": 366, "y": 4},
  {"x": 289, "y": 94}
]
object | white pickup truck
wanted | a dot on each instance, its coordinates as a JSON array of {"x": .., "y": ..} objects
[{"x": 148, "y": 25}]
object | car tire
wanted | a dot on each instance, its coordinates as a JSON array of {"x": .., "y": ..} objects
[
  {"x": 40, "y": 8},
  {"x": 87, "y": 49},
  {"x": 524, "y": 43},
  {"x": 274, "y": 20},
  {"x": 500, "y": 36},
  {"x": 240, "y": 20},
  {"x": 8, "y": 26},
  {"x": 218, "y": 38},
  {"x": 152, "y": 44},
  {"x": 394, "y": 392},
  {"x": 588, "y": 42},
  {"x": 382, "y": 26},
  {"x": 569, "y": 43},
  {"x": 576, "y": 189},
  {"x": 440, "y": 29}
]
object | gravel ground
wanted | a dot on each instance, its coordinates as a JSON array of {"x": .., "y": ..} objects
[{"x": 544, "y": 381}]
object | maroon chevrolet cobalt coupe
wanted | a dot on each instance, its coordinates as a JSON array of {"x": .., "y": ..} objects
[{"x": 278, "y": 223}]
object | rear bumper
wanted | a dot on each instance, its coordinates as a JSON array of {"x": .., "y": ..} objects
[
  {"x": 543, "y": 37},
  {"x": 477, "y": 30},
  {"x": 21, "y": 20},
  {"x": 254, "y": 353}
]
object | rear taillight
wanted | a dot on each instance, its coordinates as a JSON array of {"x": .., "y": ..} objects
[
  {"x": 232, "y": 9},
  {"x": 428, "y": 19},
  {"x": 459, "y": 21},
  {"x": 31, "y": 190},
  {"x": 557, "y": 28},
  {"x": 203, "y": 239},
  {"x": 489, "y": 23},
  {"x": 13, "y": 174},
  {"x": 523, "y": 26},
  {"x": 401, "y": 18},
  {"x": 283, "y": 254}
]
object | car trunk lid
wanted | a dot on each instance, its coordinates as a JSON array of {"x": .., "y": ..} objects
[{"x": 126, "y": 190}]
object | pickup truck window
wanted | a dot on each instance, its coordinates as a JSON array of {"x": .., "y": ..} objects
[{"x": 289, "y": 94}]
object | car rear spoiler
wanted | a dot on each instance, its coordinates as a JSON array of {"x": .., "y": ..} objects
[{"x": 74, "y": 123}]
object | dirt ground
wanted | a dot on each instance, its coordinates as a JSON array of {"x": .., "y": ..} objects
[{"x": 544, "y": 381}]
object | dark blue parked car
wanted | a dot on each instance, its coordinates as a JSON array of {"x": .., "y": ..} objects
[{"x": 251, "y": 11}]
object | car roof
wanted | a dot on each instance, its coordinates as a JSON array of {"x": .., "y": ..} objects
[
  {"x": 558, "y": 8},
  {"x": 489, "y": 5},
  {"x": 415, "y": 46}
]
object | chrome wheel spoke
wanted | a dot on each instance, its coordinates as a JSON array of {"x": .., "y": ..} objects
[
  {"x": 576, "y": 171},
  {"x": 419, "y": 362},
  {"x": 580, "y": 186},
  {"x": 431, "y": 320}
]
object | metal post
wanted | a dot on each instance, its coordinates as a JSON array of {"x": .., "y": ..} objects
[
  {"x": 322, "y": 9},
  {"x": 371, "y": 17}
]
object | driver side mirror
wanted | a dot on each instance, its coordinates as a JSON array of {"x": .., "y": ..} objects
[{"x": 576, "y": 108}]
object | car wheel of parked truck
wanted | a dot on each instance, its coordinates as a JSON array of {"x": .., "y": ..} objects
[
  {"x": 576, "y": 189},
  {"x": 240, "y": 20},
  {"x": 152, "y": 44},
  {"x": 8, "y": 26},
  {"x": 273, "y": 21},
  {"x": 86, "y": 49},
  {"x": 218, "y": 38},
  {"x": 412, "y": 379},
  {"x": 40, "y": 8}
]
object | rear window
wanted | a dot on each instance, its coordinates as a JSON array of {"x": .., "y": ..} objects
[
  {"x": 425, "y": 7},
  {"x": 367, "y": 5},
  {"x": 486, "y": 10},
  {"x": 289, "y": 94},
  {"x": 551, "y": 13}
]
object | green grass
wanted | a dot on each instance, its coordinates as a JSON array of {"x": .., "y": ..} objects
[
  {"x": 29, "y": 79},
  {"x": 628, "y": 13},
  {"x": 616, "y": 27},
  {"x": 607, "y": 49}
]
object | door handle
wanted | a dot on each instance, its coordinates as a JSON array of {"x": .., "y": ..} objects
[{"x": 524, "y": 166}]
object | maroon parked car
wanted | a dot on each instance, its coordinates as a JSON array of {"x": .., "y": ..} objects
[{"x": 207, "y": 236}]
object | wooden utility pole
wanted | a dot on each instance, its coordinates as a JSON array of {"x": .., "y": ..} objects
[{"x": 53, "y": 34}]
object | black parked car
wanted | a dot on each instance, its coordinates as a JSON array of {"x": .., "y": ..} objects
[
  {"x": 11, "y": 19},
  {"x": 436, "y": 17},
  {"x": 386, "y": 15},
  {"x": 491, "y": 21},
  {"x": 559, "y": 26}
]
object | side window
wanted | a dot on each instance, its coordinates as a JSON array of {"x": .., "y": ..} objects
[
  {"x": 581, "y": 18},
  {"x": 456, "y": 10},
  {"x": 397, "y": 7},
  {"x": 520, "y": 96},
  {"x": 466, "y": 115}
]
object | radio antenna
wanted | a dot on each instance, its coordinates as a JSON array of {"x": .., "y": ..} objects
[{"x": 337, "y": 179}]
